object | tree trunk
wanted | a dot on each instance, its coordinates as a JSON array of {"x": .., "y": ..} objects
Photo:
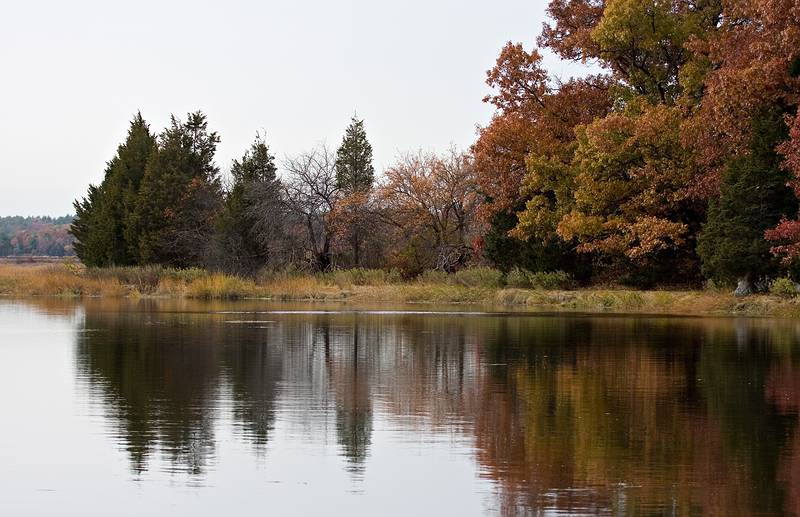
[{"x": 357, "y": 249}]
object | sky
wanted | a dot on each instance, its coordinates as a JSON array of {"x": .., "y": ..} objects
[{"x": 72, "y": 75}]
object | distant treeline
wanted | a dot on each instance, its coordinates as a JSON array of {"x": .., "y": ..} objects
[
  {"x": 678, "y": 163},
  {"x": 47, "y": 236}
]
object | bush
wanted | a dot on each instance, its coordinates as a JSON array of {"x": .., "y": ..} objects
[
  {"x": 715, "y": 286},
  {"x": 518, "y": 278},
  {"x": 783, "y": 287},
  {"x": 479, "y": 277},
  {"x": 433, "y": 276},
  {"x": 550, "y": 280},
  {"x": 395, "y": 276}
]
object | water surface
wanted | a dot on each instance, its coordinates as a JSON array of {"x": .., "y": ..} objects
[{"x": 186, "y": 408}]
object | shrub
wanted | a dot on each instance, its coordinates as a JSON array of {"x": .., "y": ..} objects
[
  {"x": 518, "y": 278},
  {"x": 549, "y": 280},
  {"x": 479, "y": 277},
  {"x": 344, "y": 278},
  {"x": 394, "y": 276},
  {"x": 433, "y": 276},
  {"x": 783, "y": 287}
]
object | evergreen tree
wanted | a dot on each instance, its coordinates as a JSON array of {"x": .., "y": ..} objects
[
  {"x": 179, "y": 196},
  {"x": 355, "y": 175},
  {"x": 354, "y": 169},
  {"x": 753, "y": 197},
  {"x": 133, "y": 158},
  {"x": 251, "y": 223},
  {"x": 86, "y": 245},
  {"x": 102, "y": 217},
  {"x": 121, "y": 188}
]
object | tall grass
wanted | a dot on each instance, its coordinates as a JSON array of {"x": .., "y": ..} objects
[
  {"x": 479, "y": 277},
  {"x": 221, "y": 287},
  {"x": 474, "y": 285},
  {"x": 344, "y": 278},
  {"x": 58, "y": 280},
  {"x": 547, "y": 280}
]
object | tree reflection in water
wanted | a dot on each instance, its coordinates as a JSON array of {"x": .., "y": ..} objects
[{"x": 625, "y": 415}]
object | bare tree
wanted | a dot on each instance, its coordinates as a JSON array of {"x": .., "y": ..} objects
[{"x": 312, "y": 194}]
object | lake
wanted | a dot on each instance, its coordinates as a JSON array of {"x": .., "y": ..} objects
[{"x": 157, "y": 407}]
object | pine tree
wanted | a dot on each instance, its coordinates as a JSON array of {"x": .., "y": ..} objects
[
  {"x": 354, "y": 169},
  {"x": 753, "y": 198},
  {"x": 179, "y": 196},
  {"x": 251, "y": 223}
]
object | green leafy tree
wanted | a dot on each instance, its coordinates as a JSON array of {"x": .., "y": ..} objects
[
  {"x": 179, "y": 196},
  {"x": 251, "y": 224},
  {"x": 754, "y": 197},
  {"x": 507, "y": 252}
]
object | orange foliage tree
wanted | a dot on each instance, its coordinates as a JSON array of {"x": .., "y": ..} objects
[{"x": 431, "y": 201}]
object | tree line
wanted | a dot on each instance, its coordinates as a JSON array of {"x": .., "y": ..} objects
[
  {"x": 676, "y": 164},
  {"x": 43, "y": 236},
  {"x": 163, "y": 200}
]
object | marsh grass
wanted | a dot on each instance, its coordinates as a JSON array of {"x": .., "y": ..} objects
[
  {"x": 218, "y": 286},
  {"x": 477, "y": 286},
  {"x": 545, "y": 280},
  {"x": 54, "y": 279}
]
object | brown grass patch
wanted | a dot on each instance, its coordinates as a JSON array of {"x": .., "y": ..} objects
[{"x": 71, "y": 280}]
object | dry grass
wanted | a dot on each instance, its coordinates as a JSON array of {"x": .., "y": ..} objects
[
  {"x": 71, "y": 280},
  {"x": 302, "y": 287},
  {"x": 658, "y": 302},
  {"x": 57, "y": 280}
]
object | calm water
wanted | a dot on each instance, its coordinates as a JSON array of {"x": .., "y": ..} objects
[{"x": 179, "y": 408}]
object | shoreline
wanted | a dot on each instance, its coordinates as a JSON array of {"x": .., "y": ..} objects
[{"x": 75, "y": 282}]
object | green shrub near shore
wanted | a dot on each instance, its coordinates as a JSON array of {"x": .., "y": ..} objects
[
  {"x": 783, "y": 287},
  {"x": 546, "y": 280}
]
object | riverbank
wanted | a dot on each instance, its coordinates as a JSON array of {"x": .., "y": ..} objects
[{"x": 73, "y": 281}]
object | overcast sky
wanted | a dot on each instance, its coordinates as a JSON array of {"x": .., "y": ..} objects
[{"x": 74, "y": 72}]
